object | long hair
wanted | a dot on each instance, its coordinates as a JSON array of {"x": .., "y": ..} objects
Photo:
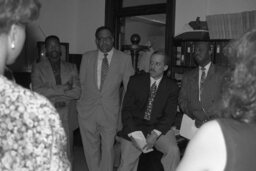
[{"x": 239, "y": 94}]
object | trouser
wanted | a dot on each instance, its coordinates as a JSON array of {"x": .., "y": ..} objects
[
  {"x": 165, "y": 144},
  {"x": 98, "y": 141}
]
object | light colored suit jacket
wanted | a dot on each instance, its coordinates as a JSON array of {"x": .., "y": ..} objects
[
  {"x": 211, "y": 94},
  {"x": 108, "y": 98},
  {"x": 43, "y": 82}
]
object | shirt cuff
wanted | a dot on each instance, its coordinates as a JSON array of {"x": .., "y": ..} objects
[
  {"x": 158, "y": 133},
  {"x": 130, "y": 134}
]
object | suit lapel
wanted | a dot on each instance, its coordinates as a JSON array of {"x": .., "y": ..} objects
[
  {"x": 160, "y": 91},
  {"x": 95, "y": 65},
  {"x": 49, "y": 71},
  {"x": 210, "y": 72},
  {"x": 62, "y": 72},
  {"x": 195, "y": 81}
]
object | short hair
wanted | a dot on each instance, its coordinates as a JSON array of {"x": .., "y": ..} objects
[
  {"x": 239, "y": 93},
  {"x": 48, "y": 38},
  {"x": 17, "y": 12},
  {"x": 162, "y": 52},
  {"x": 99, "y": 29}
]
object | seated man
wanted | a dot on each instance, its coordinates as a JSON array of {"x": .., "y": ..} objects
[
  {"x": 149, "y": 106},
  {"x": 201, "y": 87},
  {"x": 58, "y": 81}
]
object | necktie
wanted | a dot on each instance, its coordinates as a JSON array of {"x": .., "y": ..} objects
[
  {"x": 203, "y": 77},
  {"x": 104, "y": 69},
  {"x": 152, "y": 95}
]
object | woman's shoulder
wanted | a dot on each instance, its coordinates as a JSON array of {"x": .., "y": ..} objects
[{"x": 206, "y": 149}]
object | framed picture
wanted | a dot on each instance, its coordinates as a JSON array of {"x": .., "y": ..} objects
[{"x": 64, "y": 51}]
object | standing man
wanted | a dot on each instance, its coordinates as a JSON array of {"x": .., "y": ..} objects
[
  {"x": 59, "y": 82},
  {"x": 201, "y": 87},
  {"x": 149, "y": 106},
  {"x": 101, "y": 73}
]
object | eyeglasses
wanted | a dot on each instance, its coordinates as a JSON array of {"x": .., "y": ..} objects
[{"x": 106, "y": 39}]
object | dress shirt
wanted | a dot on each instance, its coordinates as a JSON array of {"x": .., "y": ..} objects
[
  {"x": 207, "y": 67},
  {"x": 99, "y": 63}
]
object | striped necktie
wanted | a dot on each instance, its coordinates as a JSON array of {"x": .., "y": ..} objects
[
  {"x": 152, "y": 95},
  {"x": 104, "y": 69},
  {"x": 202, "y": 79}
]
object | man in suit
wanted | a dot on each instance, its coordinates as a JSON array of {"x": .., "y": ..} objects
[
  {"x": 59, "y": 82},
  {"x": 201, "y": 87},
  {"x": 102, "y": 72},
  {"x": 149, "y": 106}
]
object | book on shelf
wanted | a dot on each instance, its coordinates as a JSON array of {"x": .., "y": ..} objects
[{"x": 219, "y": 57}]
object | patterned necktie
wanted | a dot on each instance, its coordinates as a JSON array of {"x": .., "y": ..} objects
[
  {"x": 203, "y": 77},
  {"x": 153, "y": 91},
  {"x": 104, "y": 69}
]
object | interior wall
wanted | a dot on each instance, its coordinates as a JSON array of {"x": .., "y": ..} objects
[
  {"x": 187, "y": 11},
  {"x": 73, "y": 21}
]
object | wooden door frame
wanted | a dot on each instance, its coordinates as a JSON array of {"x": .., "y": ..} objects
[{"x": 114, "y": 11}]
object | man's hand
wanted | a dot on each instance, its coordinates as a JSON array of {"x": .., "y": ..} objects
[
  {"x": 135, "y": 143},
  {"x": 151, "y": 140},
  {"x": 68, "y": 86}
]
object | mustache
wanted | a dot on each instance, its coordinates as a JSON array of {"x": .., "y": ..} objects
[
  {"x": 151, "y": 69},
  {"x": 58, "y": 52}
]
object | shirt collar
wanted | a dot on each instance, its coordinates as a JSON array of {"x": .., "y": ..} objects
[
  {"x": 110, "y": 54},
  {"x": 206, "y": 67},
  {"x": 152, "y": 80}
]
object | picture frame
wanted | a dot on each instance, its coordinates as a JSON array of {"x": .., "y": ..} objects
[{"x": 64, "y": 51}]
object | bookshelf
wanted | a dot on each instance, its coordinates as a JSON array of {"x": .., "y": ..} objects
[{"x": 183, "y": 58}]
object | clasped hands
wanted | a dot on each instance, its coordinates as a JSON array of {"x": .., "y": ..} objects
[
  {"x": 150, "y": 139},
  {"x": 67, "y": 86}
]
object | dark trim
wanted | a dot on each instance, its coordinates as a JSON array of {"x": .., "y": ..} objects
[
  {"x": 114, "y": 12},
  {"x": 142, "y": 10},
  {"x": 170, "y": 29}
]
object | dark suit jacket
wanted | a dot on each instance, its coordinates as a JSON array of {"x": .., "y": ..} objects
[
  {"x": 135, "y": 102},
  {"x": 189, "y": 93}
]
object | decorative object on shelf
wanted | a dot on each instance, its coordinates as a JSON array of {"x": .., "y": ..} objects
[
  {"x": 198, "y": 25},
  {"x": 198, "y": 30},
  {"x": 134, "y": 49}
]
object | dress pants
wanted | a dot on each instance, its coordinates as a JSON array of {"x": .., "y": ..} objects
[
  {"x": 64, "y": 112},
  {"x": 165, "y": 144},
  {"x": 98, "y": 141}
]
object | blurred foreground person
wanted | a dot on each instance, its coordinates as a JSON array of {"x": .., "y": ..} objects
[
  {"x": 30, "y": 128},
  {"x": 229, "y": 143}
]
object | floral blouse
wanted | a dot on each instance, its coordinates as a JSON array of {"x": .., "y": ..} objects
[{"x": 31, "y": 135}]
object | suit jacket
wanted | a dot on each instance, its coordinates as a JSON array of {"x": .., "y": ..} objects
[
  {"x": 43, "y": 81},
  {"x": 211, "y": 94},
  {"x": 108, "y": 98},
  {"x": 135, "y": 102}
]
